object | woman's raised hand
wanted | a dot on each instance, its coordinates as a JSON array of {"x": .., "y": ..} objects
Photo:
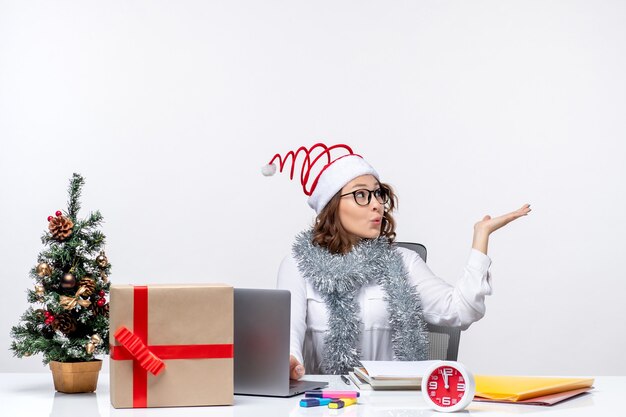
[{"x": 488, "y": 225}]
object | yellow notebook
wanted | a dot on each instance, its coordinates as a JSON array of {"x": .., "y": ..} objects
[{"x": 517, "y": 388}]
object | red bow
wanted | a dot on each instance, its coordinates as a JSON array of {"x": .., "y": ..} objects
[{"x": 133, "y": 344}]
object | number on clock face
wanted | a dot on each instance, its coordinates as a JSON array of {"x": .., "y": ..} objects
[{"x": 446, "y": 386}]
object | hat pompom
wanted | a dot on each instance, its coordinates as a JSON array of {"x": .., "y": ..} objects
[{"x": 268, "y": 170}]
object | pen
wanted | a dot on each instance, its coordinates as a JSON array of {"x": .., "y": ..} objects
[
  {"x": 342, "y": 402},
  {"x": 314, "y": 402},
  {"x": 345, "y": 379},
  {"x": 331, "y": 394}
]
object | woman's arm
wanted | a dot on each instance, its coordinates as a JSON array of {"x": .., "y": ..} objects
[
  {"x": 289, "y": 278},
  {"x": 443, "y": 304},
  {"x": 464, "y": 303}
]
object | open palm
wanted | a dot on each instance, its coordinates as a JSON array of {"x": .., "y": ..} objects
[{"x": 490, "y": 224}]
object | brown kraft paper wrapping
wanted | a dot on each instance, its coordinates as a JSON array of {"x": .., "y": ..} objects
[{"x": 177, "y": 315}]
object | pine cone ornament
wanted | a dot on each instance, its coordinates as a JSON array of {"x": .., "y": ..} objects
[
  {"x": 100, "y": 310},
  {"x": 64, "y": 323},
  {"x": 89, "y": 284},
  {"x": 60, "y": 227}
]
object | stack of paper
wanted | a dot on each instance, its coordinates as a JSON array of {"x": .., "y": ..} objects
[
  {"x": 529, "y": 390},
  {"x": 358, "y": 380},
  {"x": 404, "y": 375},
  {"x": 362, "y": 380}
]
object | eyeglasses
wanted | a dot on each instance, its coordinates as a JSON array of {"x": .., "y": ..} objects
[{"x": 364, "y": 197}]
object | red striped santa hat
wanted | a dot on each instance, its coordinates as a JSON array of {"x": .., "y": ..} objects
[{"x": 323, "y": 172}]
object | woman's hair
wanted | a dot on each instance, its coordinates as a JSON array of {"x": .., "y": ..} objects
[{"x": 329, "y": 233}]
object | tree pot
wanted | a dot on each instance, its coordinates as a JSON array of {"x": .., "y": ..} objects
[{"x": 73, "y": 377}]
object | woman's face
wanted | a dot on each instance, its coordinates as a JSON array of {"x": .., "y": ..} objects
[{"x": 362, "y": 221}]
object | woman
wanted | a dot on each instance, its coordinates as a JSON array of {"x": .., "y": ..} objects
[{"x": 354, "y": 295}]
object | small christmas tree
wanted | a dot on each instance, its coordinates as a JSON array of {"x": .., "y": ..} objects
[{"x": 71, "y": 286}]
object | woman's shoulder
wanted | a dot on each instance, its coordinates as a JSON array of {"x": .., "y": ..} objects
[
  {"x": 288, "y": 273},
  {"x": 288, "y": 261}
]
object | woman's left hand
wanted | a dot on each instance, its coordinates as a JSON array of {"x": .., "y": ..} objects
[{"x": 488, "y": 225}]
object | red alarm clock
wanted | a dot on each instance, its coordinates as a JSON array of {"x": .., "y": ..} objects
[{"x": 448, "y": 386}]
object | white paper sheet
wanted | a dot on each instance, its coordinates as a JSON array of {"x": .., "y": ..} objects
[{"x": 396, "y": 369}]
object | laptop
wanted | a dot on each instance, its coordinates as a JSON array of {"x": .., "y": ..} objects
[{"x": 262, "y": 321}]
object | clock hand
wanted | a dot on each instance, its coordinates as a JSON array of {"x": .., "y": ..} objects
[{"x": 445, "y": 378}]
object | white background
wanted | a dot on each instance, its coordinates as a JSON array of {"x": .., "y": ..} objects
[{"x": 170, "y": 108}]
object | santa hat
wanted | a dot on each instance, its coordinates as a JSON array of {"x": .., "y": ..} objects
[{"x": 324, "y": 171}]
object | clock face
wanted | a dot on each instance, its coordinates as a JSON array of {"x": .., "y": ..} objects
[{"x": 448, "y": 387}]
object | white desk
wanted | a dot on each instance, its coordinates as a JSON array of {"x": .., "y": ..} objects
[{"x": 33, "y": 395}]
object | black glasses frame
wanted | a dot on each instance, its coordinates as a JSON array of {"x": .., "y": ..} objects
[{"x": 382, "y": 197}]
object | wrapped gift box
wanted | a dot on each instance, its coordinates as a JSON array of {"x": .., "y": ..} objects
[{"x": 171, "y": 345}]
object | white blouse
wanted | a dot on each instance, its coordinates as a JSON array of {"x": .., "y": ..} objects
[{"x": 442, "y": 304}]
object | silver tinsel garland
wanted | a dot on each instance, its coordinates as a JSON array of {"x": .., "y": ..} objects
[{"x": 338, "y": 279}]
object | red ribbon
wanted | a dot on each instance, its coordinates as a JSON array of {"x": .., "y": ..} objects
[{"x": 149, "y": 358}]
